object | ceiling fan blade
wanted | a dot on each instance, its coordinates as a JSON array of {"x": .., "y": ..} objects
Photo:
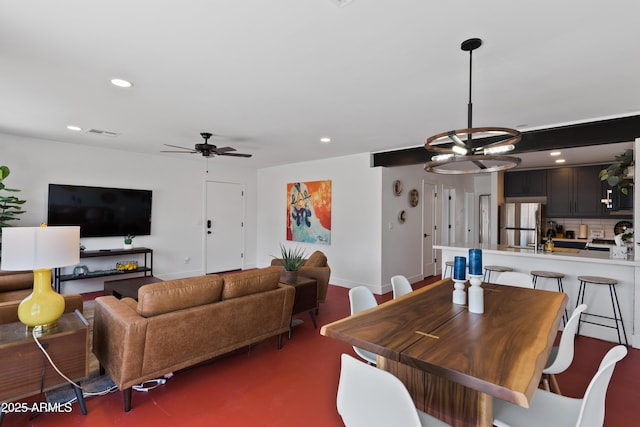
[
  {"x": 224, "y": 149},
  {"x": 235, "y": 154},
  {"x": 177, "y": 146},
  {"x": 179, "y": 152}
]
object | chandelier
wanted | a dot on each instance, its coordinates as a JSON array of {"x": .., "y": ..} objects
[{"x": 472, "y": 149}]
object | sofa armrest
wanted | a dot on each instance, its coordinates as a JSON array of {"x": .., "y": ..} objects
[
  {"x": 277, "y": 262},
  {"x": 118, "y": 340}
]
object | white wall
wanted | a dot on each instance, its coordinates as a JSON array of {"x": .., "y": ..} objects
[
  {"x": 178, "y": 197},
  {"x": 402, "y": 243},
  {"x": 355, "y": 250}
]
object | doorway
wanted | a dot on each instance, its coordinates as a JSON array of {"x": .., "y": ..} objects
[
  {"x": 224, "y": 227},
  {"x": 429, "y": 267}
]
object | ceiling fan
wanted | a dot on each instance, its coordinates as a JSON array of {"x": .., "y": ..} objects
[{"x": 206, "y": 149}]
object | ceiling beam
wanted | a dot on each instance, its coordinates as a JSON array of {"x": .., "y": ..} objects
[{"x": 623, "y": 129}]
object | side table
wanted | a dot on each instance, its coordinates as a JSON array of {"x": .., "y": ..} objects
[
  {"x": 306, "y": 298},
  {"x": 21, "y": 371}
]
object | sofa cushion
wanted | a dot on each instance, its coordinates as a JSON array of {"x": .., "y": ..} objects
[
  {"x": 317, "y": 259},
  {"x": 172, "y": 295},
  {"x": 250, "y": 282}
]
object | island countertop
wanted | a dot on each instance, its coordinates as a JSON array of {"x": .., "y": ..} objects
[
  {"x": 572, "y": 265},
  {"x": 577, "y": 255}
]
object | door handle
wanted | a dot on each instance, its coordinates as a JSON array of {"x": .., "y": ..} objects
[
  {"x": 426, "y": 235},
  {"x": 208, "y": 223}
]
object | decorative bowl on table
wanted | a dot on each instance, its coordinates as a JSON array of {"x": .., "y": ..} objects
[{"x": 127, "y": 265}]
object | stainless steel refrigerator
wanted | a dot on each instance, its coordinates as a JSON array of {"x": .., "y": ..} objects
[{"x": 521, "y": 224}]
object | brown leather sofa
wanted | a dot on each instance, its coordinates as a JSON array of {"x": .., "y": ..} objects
[
  {"x": 15, "y": 285},
  {"x": 316, "y": 267},
  {"x": 179, "y": 323}
]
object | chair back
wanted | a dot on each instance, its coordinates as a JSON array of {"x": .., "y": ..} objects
[
  {"x": 400, "y": 286},
  {"x": 361, "y": 298},
  {"x": 369, "y": 397},
  {"x": 564, "y": 356},
  {"x": 515, "y": 278},
  {"x": 592, "y": 410}
]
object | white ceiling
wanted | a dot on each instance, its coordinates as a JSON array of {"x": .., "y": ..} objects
[{"x": 272, "y": 77}]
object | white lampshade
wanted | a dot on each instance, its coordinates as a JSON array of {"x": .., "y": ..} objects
[{"x": 32, "y": 248}]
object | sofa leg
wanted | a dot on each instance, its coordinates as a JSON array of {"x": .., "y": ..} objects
[
  {"x": 126, "y": 394},
  {"x": 280, "y": 341}
]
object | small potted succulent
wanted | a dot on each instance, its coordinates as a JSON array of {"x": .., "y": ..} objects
[
  {"x": 128, "y": 241},
  {"x": 292, "y": 260}
]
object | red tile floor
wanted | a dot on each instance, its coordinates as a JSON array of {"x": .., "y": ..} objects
[{"x": 297, "y": 385}]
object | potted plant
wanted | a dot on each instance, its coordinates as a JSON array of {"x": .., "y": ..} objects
[
  {"x": 128, "y": 241},
  {"x": 620, "y": 173},
  {"x": 10, "y": 205},
  {"x": 292, "y": 260}
]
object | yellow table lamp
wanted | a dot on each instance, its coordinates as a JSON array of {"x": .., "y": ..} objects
[{"x": 40, "y": 249}]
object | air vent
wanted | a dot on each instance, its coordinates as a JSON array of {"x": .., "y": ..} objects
[{"x": 102, "y": 132}]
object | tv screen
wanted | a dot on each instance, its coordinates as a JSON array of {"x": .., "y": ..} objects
[{"x": 100, "y": 211}]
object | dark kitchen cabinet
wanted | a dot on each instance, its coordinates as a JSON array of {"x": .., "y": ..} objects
[
  {"x": 574, "y": 192},
  {"x": 525, "y": 183}
]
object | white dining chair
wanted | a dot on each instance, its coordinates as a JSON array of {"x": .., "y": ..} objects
[
  {"x": 361, "y": 298},
  {"x": 370, "y": 397},
  {"x": 400, "y": 286},
  {"x": 553, "y": 410},
  {"x": 561, "y": 356},
  {"x": 514, "y": 278}
]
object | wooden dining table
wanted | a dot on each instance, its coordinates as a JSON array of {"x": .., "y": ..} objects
[{"x": 454, "y": 362}]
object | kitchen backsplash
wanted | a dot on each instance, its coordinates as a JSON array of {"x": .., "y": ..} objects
[{"x": 592, "y": 224}]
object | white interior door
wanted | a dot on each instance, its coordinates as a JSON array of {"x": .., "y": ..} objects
[
  {"x": 428, "y": 229},
  {"x": 224, "y": 227}
]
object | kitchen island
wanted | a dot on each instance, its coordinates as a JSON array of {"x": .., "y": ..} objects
[{"x": 572, "y": 265}]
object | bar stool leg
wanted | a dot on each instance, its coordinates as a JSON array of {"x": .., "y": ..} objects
[
  {"x": 565, "y": 318},
  {"x": 617, "y": 315},
  {"x": 580, "y": 300}
]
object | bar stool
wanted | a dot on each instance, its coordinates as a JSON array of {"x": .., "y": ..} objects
[
  {"x": 615, "y": 304},
  {"x": 497, "y": 268},
  {"x": 552, "y": 275}
]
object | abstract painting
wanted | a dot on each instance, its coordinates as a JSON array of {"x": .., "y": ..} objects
[{"x": 309, "y": 212}]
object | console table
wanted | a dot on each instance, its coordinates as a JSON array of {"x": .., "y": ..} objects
[
  {"x": 146, "y": 269},
  {"x": 21, "y": 371}
]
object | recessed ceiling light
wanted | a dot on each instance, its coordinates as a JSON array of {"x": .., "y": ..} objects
[
  {"x": 560, "y": 161},
  {"x": 554, "y": 153},
  {"x": 121, "y": 83},
  {"x": 325, "y": 139},
  {"x": 74, "y": 128}
]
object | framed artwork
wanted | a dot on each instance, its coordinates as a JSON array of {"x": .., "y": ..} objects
[{"x": 309, "y": 212}]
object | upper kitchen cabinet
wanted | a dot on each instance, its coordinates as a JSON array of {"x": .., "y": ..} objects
[
  {"x": 525, "y": 183},
  {"x": 574, "y": 192}
]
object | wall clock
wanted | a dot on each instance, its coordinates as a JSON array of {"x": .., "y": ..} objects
[
  {"x": 414, "y": 198},
  {"x": 397, "y": 187}
]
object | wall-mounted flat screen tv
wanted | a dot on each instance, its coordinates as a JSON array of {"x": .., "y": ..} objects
[{"x": 100, "y": 211}]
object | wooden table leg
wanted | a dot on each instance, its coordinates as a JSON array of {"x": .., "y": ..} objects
[{"x": 449, "y": 401}]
